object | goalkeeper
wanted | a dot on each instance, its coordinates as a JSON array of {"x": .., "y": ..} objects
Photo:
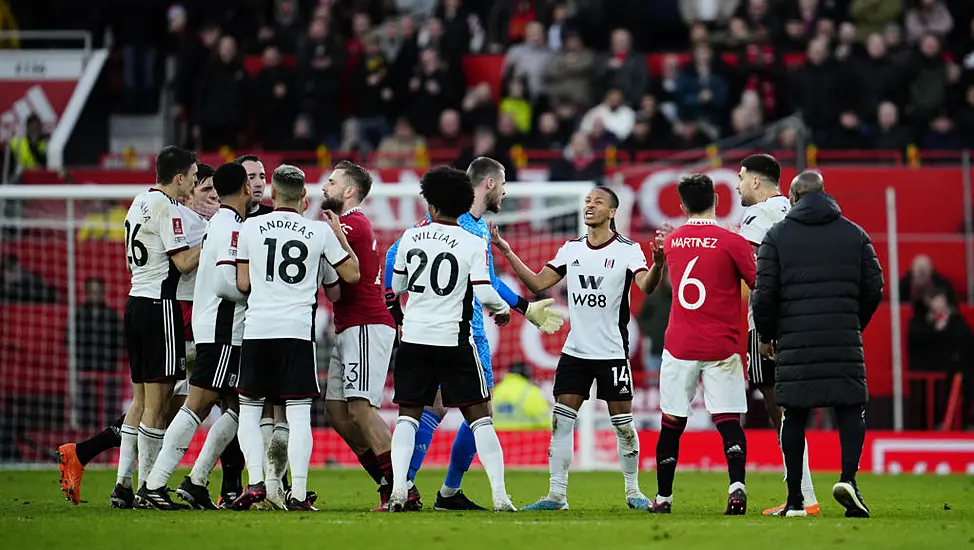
[{"x": 487, "y": 176}]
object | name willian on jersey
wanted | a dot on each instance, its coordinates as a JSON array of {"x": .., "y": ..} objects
[
  {"x": 436, "y": 236},
  {"x": 297, "y": 227}
]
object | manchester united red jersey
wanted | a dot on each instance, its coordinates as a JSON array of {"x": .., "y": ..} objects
[
  {"x": 362, "y": 303},
  {"x": 707, "y": 264}
]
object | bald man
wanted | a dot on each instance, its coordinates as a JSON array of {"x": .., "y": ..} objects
[{"x": 818, "y": 284}]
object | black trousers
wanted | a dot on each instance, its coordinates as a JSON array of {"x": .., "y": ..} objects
[{"x": 851, "y": 420}]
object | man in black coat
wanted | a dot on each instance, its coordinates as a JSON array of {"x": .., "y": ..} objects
[{"x": 818, "y": 284}]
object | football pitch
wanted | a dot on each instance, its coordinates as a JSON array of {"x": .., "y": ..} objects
[{"x": 908, "y": 512}]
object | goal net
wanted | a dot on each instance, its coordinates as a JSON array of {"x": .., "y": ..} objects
[{"x": 64, "y": 285}]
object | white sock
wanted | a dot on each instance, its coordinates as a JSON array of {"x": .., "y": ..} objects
[
  {"x": 735, "y": 486},
  {"x": 150, "y": 444},
  {"x": 628, "y": 450},
  {"x": 808, "y": 490},
  {"x": 491, "y": 455},
  {"x": 220, "y": 435},
  {"x": 276, "y": 458},
  {"x": 128, "y": 455},
  {"x": 448, "y": 492},
  {"x": 403, "y": 442},
  {"x": 267, "y": 431},
  {"x": 251, "y": 438},
  {"x": 299, "y": 446},
  {"x": 174, "y": 445},
  {"x": 562, "y": 448}
]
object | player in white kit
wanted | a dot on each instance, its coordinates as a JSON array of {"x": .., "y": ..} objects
[
  {"x": 157, "y": 254},
  {"x": 278, "y": 267},
  {"x": 600, "y": 268},
  {"x": 761, "y": 194}
]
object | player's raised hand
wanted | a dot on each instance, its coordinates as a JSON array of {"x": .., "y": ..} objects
[
  {"x": 502, "y": 319},
  {"x": 332, "y": 219},
  {"x": 658, "y": 257},
  {"x": 499, "y": 242},
  {"x": 547, "y": 320}
]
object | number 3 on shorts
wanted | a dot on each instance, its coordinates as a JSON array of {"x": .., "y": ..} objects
[
  {"x": 621, "y": 375},
  {"x": 686, "y": 281}
]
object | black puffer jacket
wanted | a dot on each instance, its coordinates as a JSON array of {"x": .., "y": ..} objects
[{"x": 818, "y": 284}]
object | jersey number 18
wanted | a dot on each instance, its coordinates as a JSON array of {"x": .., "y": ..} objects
[{"x": 288, "y": 258}]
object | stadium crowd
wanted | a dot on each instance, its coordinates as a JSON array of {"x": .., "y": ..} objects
[{"x": 389, "y": 75}]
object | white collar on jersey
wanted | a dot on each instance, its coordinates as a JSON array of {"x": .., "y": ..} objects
[
  {"x": 350, "y": 210},
  {"x": 701, "y": 221}
]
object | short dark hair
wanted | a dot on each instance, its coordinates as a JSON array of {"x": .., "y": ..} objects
[
  {"x": 360, "y": 177},
  {"x": 696, "y": 193},
  {"x": 229, "y": 178},
  {"x": 244, "y": 158},
  {"x": 203, "y": 171},
  {"x": 482, "y": 168},
  {"x": 764, "y": 165},
  {"x": 448, "y": 190},
  {"x": 171, "y": 162}
]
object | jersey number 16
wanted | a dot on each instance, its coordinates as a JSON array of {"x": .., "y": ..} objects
[{"x": 135, "y": 251}]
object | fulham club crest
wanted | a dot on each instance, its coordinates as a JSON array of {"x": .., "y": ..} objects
[{"x": 609, "y": 264}]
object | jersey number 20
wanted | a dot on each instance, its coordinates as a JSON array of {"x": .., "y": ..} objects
[
  {"x": 288, "y": 258},
  {"x": 434, "y": 271},
  {"x": 686, "y": 281}
]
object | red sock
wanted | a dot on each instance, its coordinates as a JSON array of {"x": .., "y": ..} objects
[
  {"x": 371, "y": 465},
  {"x": 384, "y": 461}
]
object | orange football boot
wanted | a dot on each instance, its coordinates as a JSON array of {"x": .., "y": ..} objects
[{"x": 71, "y": 472}]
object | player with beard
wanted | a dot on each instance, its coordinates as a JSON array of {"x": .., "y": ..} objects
[
  {"x": 365, "y": 333},
  {"x": 488, "y": 178}
]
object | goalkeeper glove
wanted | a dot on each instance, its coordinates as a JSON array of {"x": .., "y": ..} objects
[
  {"x": 394, "y": 306},
  {"x": 546, "y": 319}
]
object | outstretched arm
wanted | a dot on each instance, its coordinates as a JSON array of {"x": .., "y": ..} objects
[
  {"x": 648, "y": 280},
  {"x": 512, "y": 299},
  {"x": 536, "y": 282}
]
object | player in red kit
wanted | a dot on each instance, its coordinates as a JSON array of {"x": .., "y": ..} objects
[
  {"x": 365, "y": 333},
  {"x": 707, "y": 264}
]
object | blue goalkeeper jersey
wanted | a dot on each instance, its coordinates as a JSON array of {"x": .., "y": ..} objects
[{"x": 479, "y": 228}]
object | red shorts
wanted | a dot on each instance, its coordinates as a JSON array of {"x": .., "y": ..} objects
[{"x": 187, "y": 308}]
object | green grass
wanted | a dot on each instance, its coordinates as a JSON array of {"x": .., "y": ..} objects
[{"x": 908, "y": 512}]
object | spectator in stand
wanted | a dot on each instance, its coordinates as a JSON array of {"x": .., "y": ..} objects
[
  {"x": 646, "y": 136},
  {"x": 17, "y": 285},
  {"x": 899, "y": 52},
  {"x": 99, "y": 343},
  {"x": 702, "y": 94},
  {"x": 762, "y": 71},
  {"x": 558, "y": 26},
  {"x": 940, "y": 341},
  {"x": 456, "y": 21},
  {"x": 404, "y": 57},
  {"x": 284, "y": 28},
  {"x": 923, "y": 281},
  {"x": 848, "y": 134},
  {"x": 712, "y": 12},
  {"x": 485, "y": 145},
  {"x": 515, "y": 104},
  {"x": 570, "y": 72},
  {"x": 890, "y": 134},
  {"x": 189, "y": 67},
  {"x": 624, "y": 69},
  {"x": 430, "y": 92},
  {"x": 876, "y": 78},
  {"x": 871, "y": 16},
  {"x": 321, "y": 64},
  {"x": 928, "y": 17},
  {"x": 30, "y": 150},
  {"x": 928, "y": 82},
  {"x": 965, "y": 116},
  {"x": 665, "y": 89},
  {"x": 529, "y": 60},
  {"x": 399, "y": 150},
  {"x": 846, "y": 47},
  {"x": 508, "y": 22},
  {"x": 650, "y": 111},
  {"x": 478, "y": 108},
  {"x": 815, "y": 88},
  {"x": 688, "y": 135},
  {"x": 303, "y": 134},
  {"x": 942, "y": 135},
  {"x": 372, "y": 87},
  {"x": 507, "y": 134},
  {"x": 617, "y": 117},
  {"x": 274, "y": 87},
  {"x": 801, "y": 24},
  {"x": 222, "y": 99},
  {"x": 756, "y": 13},
  {"x": 744, "y": 121},
  {"x": 548, "y": 137},
  {"x": 578, "y": 163},
  {"x": 600, "y": 139},
  {"x": 450, "y": 135},
  {"x": 138, "y": 29}
]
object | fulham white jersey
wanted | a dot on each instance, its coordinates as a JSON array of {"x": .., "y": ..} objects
[
  {"x": 442, "y": 267},
  {"x": 194, "y": 226},
  {"x": 154, "y": 230},
  {"x": 283, "y": 250},
  {"x": 218, "y": 307},
  {"x": 598, "y": 295},
  {"x": 758, "y": 220}
]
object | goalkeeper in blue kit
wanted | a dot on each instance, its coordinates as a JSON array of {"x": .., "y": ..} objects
[{"x": 487, "y": 177}]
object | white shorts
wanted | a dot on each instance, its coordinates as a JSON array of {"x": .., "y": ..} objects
[
  {"x": 723, "y": 385},
  {"x": 359, "y": 363}
]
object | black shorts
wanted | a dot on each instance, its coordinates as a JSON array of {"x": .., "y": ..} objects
[
  {"x": 575, "y": 376},
  {"x": 422, "y": 369},
  {"x": 217, "y": 367},
  {"x": 278, "y": 369},
  {"x": 155, "y": 340},
  {"x": 760, "y": 370}
]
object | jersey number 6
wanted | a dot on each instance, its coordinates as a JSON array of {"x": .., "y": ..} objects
[{"x": 686, "y": 281}]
